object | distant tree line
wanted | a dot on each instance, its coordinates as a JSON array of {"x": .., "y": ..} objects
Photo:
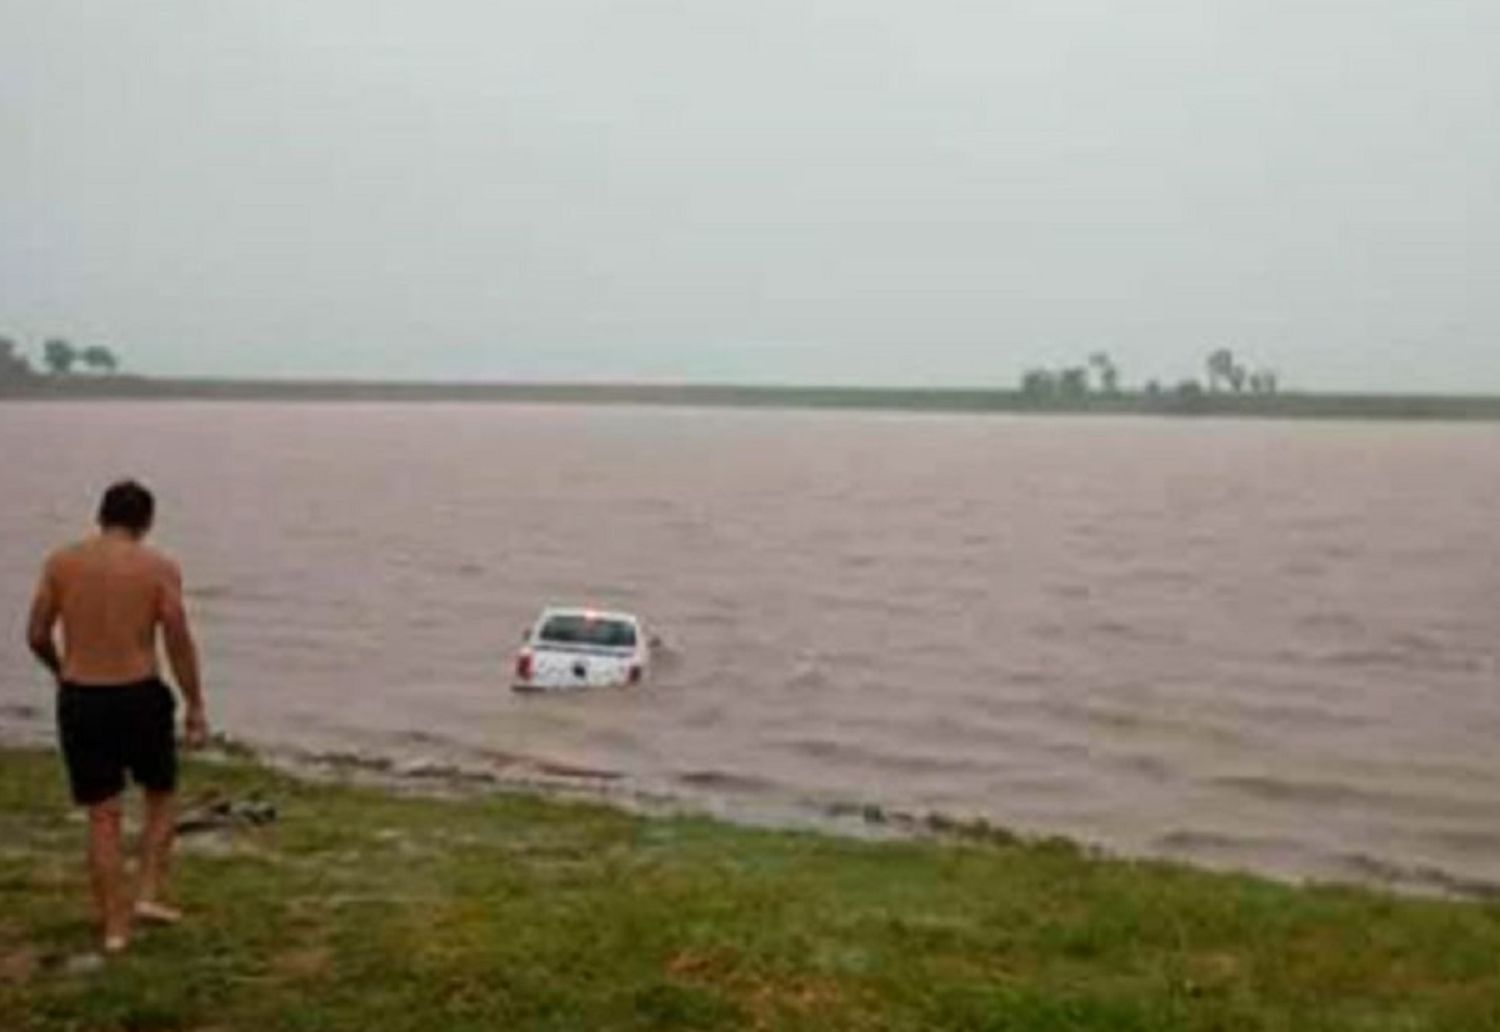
[
  {"x": 1225, "y": 370},
  {"x": 59, "y": 357},
  {"x": 1099, "y": 376},
  {"x": 1073, "y": 382}
]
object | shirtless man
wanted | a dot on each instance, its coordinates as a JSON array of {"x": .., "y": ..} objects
[{"x": 115, "y": 716}]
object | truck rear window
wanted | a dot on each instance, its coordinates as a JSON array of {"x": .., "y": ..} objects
[{"x": 583, "y": 630}]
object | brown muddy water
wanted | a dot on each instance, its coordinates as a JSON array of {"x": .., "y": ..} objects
[{"x": 1254, "y": 644}]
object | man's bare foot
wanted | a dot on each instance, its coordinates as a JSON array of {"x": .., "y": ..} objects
[
  {"x": 157, "y": 913},
  {"x": 114, "y": 944}
]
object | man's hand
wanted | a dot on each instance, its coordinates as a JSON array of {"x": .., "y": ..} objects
[
  {"x": 183, "y": 655},
  {"x": 44, "y": 614},
  {"x": 195, "y": 728}
]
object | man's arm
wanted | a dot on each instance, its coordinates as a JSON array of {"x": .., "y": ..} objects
[
  {"x": 39, "y": 626},
  {"x": 183, "y": 655}
]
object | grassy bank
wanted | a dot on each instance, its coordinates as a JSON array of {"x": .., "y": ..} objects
[
  {"x": 1289, "y": 405},
  {"x": 363, "y": 910}
]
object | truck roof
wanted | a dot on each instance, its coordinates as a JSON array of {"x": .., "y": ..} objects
[{"x": 613, "y": 616}]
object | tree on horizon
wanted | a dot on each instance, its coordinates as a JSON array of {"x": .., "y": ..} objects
[
  {"x": 60, "y": 356},
  {"x": 1220, "y": 367},
  {"x": 1109, "y": 373},
  {"x": 13, "y": 364},
  {"x": 1039, "y": 383},
  {"x": 1073, "y": 382},
  {"x": 1264, "y": 381},
  {"x": 100, "y": 358}
]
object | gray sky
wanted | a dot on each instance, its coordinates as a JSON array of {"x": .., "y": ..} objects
[{"x": 857, "y": 191}]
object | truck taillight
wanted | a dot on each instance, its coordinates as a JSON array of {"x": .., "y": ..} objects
[{"x": 523, "y": 666}]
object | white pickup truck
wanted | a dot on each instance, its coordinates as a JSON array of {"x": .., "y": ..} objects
[{"x": 581, "y": 648}]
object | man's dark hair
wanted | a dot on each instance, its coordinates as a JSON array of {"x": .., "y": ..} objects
[{"x": 127, "y": 505}]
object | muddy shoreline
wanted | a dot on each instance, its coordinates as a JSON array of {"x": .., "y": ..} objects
[{"x": 512, "y": 775}]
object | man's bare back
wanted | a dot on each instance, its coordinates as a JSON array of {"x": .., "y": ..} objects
[{"x": 111, "y": 593}]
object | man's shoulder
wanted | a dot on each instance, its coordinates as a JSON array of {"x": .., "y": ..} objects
[
  {"x": 161, "y": 561},
  {"x": 65, "y": 555}
]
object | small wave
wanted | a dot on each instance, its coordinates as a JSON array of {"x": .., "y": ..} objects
[
  {"x": 20, "y": 711},
  {"x": 1403, "y": 658},
  {"x": 493, "y": 767},
  {"x": 1377, "y": 797},
  {"x": 1169, "y": 575},
  {"x": 1327, "y": 621},
  {"x": 1197, "y": 841},
  {"x": 807, "y": 677},
  {"x": 1475, "y": 842},
  {"x": 1279, "y": 789},
  {"x": 563, "y": 769},
  {"x": 500, "y": 759},
  {"x": 336, "y": 759},
  {"x": 1031, "y": 678},
  {"x": 937, "y": 823},
  {"x": 666, "y": 656},
  {"x": 1305, "y": 716},
  {"x": 1153, "y": 768},
  {"x": 1419, "y": 876},
  {"x": 710, "y": 616},
  {"x": 725, "y": 781},
  {"x": 704, "y": 716},
  {"x": 1127, "y": 718},
  {"x": 443, "y": 772},
  {"x": 423, "y": 738},
  {"x": 1303, "y": 568},
  {"x": 1418, "y": 641},
  {"x": 886, "y": 761}
]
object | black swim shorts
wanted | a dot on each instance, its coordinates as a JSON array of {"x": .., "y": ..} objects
[{"x": 108, "y": 731}]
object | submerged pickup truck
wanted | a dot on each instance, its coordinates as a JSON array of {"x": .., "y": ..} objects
[{"x": 581, "y": 648}]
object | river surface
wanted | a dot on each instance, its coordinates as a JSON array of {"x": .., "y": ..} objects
[{"x": 1265, "y": 645}]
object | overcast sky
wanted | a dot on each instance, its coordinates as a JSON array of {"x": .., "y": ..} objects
[{"x": 860, "y": 191}]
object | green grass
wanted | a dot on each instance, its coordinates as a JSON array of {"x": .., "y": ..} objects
[{"x": 364, "y": 910}]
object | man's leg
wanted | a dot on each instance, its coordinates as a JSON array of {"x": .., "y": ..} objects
[
  {"x": 106, "y": 875},
  {"x": 153, "y": 764},
  {"x": 156, "y": 857}
]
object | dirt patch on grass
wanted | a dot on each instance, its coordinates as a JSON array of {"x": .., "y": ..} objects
[
  {"x": 768, "y": 1001},
  {"x": 18, "y": 965},
  {"x": 703, "y": 965},
  {"x": 765, "y": 997},
  {"x": 304, "y": 962}
]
